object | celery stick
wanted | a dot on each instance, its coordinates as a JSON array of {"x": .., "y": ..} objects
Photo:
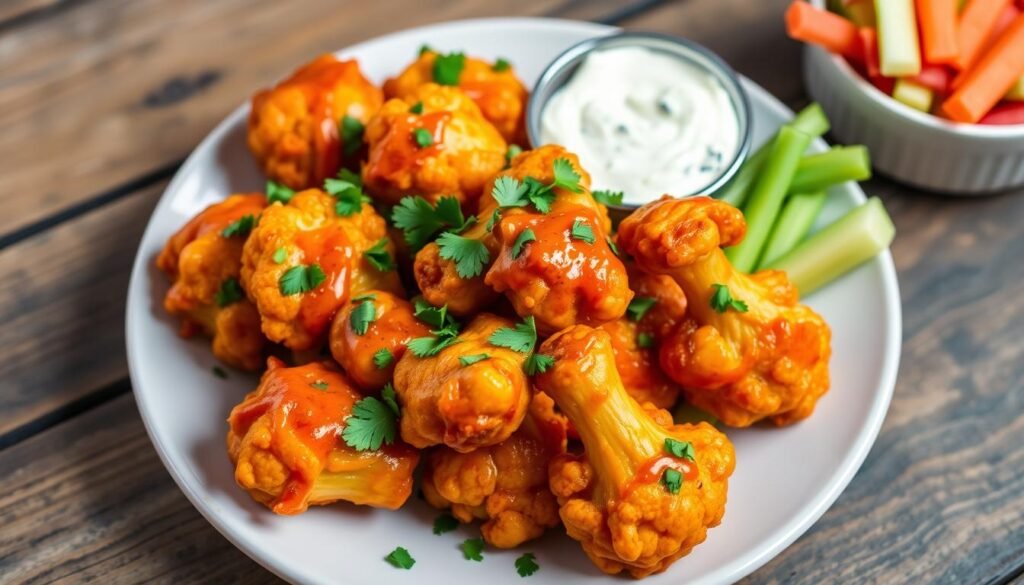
[
  {"x": 768, "y": 194},
  {"x": 794, "y": 222},
  {"x": 913, "y": 94},
  {"x": 839, "y": 248},
  {"x": 838, "y": 165},
  {"x": 1016, "y": 92},
  {"x": 898, "y": 47},
  {"x": 811, "y": 120}
]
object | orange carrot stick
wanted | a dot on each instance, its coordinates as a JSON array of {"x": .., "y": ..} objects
[
  {"x": 821, "y": 27},
  {"x": 1006, "y": 18},
  {"x": 990, "y": 79},
  {"x": 869, "y": 44},
  {"x": 937, "y": 19},
  {"x": 977, "y": 20}
]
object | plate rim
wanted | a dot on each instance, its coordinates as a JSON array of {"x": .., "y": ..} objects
[{"x": 741, "y": 566}]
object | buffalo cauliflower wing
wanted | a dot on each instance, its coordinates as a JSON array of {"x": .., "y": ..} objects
[
  {"x": 305, "y": 128},
  {"x": 450, "y": 399},
  {"x": 506, "y": 485},
  {"x": 493, "y": 87},
  {"x": 303, "y": 261},
  {"x": 636, "y": 360},
  {"x": 747, "y": 349},
  {"x": 206, "y": 294},
  {"x": 433, "y": 143},
  {"x": 641, "y": 495},
  {"x": 285, "y": 442}
]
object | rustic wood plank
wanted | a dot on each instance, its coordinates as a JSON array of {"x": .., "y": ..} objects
[
  {"x": 114, "y": 89},
  {"x": 90, "y": 500}
]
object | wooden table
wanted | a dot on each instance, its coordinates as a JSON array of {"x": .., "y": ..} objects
[{"x": 100, "y": 100}]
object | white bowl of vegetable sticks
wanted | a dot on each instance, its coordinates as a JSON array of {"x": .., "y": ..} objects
[{"x": 910, "y": 145}]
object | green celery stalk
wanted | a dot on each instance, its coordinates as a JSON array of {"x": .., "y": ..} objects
[
  {"x": 834, "y": 166},
  {"x": 838, "y": 248},
  {"x": 898, "y": 47},
  {"x": 811, "y": 120},
  {"x": 768, "y": 194},
  {"x": 794, "y": 223}
]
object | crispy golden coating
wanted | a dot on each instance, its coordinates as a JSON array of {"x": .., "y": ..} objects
[
  {"x": 768, "y": 362},
  {"x": 465, "y": 407},
  {"x": 393, "y": 326},
  {"x": 294, "y": 127},
  {"x": 638, "y": 366},
  {"x": 310, "y": 231},
  {"x": 285, "y": 442},
  {"x": 669, "y": 306},
  {"x": 561, "y": 278},
  {"x": 616, "y": 498},
  {"x": 495, "y": 89},
  {"x": 200, "y": 260},
  {"x": 506, "y": 485},
  {"x": 458, "y": 152}
]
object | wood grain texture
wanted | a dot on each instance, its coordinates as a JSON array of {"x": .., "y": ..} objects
[{"x": 113, "y": 89}]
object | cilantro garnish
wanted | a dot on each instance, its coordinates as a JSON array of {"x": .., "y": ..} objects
[
  {"x": 681, "y": 449},
  {"x": 520, "y": 338},
  {"x": 566, "y": 177},
  {"x": 379, "y": 257},
  {"x": 501, "y": 64},
  {"x": 300, "y": 279},
  {"x": 278, "y": 192},
  {"x": 608, "y": 197},
  {"x": 469, "y": 255},
  {"x": 672, "y": 480},
  {"x": 416, "y": 108},
  {"x": 390, "y": 398},
  {"x": 351, "y": 134},
  {"x": 444, "y": 333},
  {"x": 240, "y": 227},
  {"x": 524, "y": 236},
  {"x": 526, "y": 565},
  {"x": 319, "y": 385},
  {"x": 448, "y": 68},
  {"x": 644, "y": 340},
  {"x": 425, "y": 49},
  {"x": 383, "y": 358},
  {"x": 280, "y": 255},
  {"x": 419, "y": 220},
  {"x": 371, "y": 424},
  {"x": 400, "y": 559},
  {"x": 445, "y": 523},
  {"x": 230, "y": 292},
  {"x": 431, "y": 345},
  {"x": 472, "y": 549},
  {"x": 538, "y": 363},
  {"x": 219, "y": 372},
  {"x": 639, "y": 306},
  {"x": 422, "y": 137},
  {"x": 722, "y": 301},
  {"x": 582, "y": 231},
  {"x": 611, "y": 244},
  {"x": 362, "y": 315},
  {"x": 511, "y": 192},
  {"x": 513, "y": 151},
  {"x": 468, "y": 360},
  {"x": 347, "y": 190}
]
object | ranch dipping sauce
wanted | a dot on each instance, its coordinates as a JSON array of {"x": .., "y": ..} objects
[{"x": 644, "y": 123}]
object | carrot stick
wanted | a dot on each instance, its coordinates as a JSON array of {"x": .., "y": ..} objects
[
  {"x": 821, "y": 27},
  {"x": 869, "y": 44},
  {"x": 1003, "y": 22},
  {"x": 897, "y": 38},
  {"x": 938, "y": 29},
  {"x": 977, "y": 20},
  {"x": 989, "y": 80}
]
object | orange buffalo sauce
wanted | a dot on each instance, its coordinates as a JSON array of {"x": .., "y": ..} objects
[
  {"x": 398, "y": 150},
  {"x": 330, "y": 249},
  {"x": 214, "y": 218},
  {"x": 651, "y": 472}
]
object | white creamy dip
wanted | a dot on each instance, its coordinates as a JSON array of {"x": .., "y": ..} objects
[{"x": 644, "y": 123}]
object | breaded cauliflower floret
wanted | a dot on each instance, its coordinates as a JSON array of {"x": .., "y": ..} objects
[
  {"x": 636, "y": 360},
  {"x": 447, "y": 149},
  {"x": 310, "y": 232},
  {"x": 763, "y": 356},
  {"x": 463, "y": 405},
  {"x": 506, "y": 485},
  {"x": 202, "y": 261},
  {"x": 285, "y": 440},
  {"x": 295, "y": 127},
  {"x": 641, "y": 495},
  {"x": 495, "y": 88},
  {"x": 369, "y": 358}
]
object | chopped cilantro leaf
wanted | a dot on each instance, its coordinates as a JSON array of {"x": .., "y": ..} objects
[
  {"x": 524, "y": 236},
  {"x": 230, "y": 292},
  {"x": 390, "y": 398},
  {"x": 472, "y": 549},
  {"x": 379, "y": 257},
  {"x": 513, "y": 151},
  {"x": 611, "y": 244},
  {"x": 468, "y": 360},
  {"x": 582, "y": 231},
  {"x": 383, "y": 358},
  {"x": 538, "y": 363},
  {"x": 419, "y": 220},
  {"x": 425, "y": 49},
  {"x": 639, "y": 306},
  {"x": 240, "y": 227},
  {"x": 416, "y": 108},
  {"x": 300, "y": 279},
  {"x": 566, "y": 177},
  {"x": 220, "y": 373},
  {"x": 351, "y": 134},
  {"x": 608, "y": 197},
  {"x": 278, "y": 192},
  {"x": 422, "y": 137},
  {"x": 280, "y": 255},
  {"x": 431, "y": 345},
  {"x": 362, "y": 315},
  {"x": 509, "y": 192},
  {"x": 469, "y": 255},
  {"x": 681, "y": 449},
  {"x": 445, "y": 523},
  {"x": 520, "y": 338},
  {"x": 449, "y": 212},
  {"x": 436, "y": 317},
  {"x": 672, "y": 480},
  {"x": 644, "y": 340},
  {"x": 722, "y": 301},
  {"x": 347, "y": 190},
  {"x": 526, "y": 565},
  {"x": 361, "y": 298},
  {"x": 501, "y": 64},
  {"x": 371, "y": 424},
  {"x": 539, "y": 194},
  {"x": 319, "y": 385},
  {"x": 448, "y": 68},
  {"x": 400, "y": 559}
]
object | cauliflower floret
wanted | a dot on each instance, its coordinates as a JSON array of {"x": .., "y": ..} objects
[
  {"x": 495, "y": 88},
  {"x": 636, "y": 360},
  {"x": 307, "y": 231},
  {"x": 641, "y": 495},
  {"x": 202, "y": 261},
  {"x": 369, "y": 358},
  {"x": 506, "y": 485},
  {"x": 285, "y": 441},
  {"x": 463, "y": 405},
  {"x": 447, "y": 149},
  {"x": 763, "y": 356},
  {"x": 294, "y": 128}
]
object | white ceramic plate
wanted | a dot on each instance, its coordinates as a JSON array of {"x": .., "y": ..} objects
[{"x": 785, "y": 478}]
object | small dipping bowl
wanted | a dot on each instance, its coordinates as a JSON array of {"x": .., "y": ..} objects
[{"x": 561, "y": 70}]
